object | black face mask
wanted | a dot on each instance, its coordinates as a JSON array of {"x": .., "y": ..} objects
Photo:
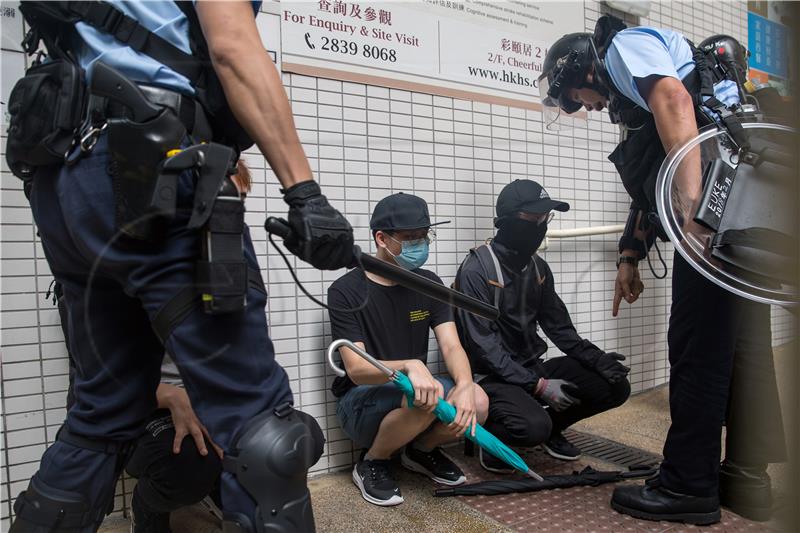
[{"x": 522, "y": 236}]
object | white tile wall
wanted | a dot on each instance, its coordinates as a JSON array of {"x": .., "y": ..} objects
[{"x": 365, "y": 142}]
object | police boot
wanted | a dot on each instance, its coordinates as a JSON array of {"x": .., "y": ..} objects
[
  {"x": 746, "y": 490},
  {"x": 146, "y": 521},
  {"x": 653, "y": 501}
]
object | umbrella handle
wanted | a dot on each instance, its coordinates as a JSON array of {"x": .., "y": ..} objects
[{"x": 334, "y": 347}]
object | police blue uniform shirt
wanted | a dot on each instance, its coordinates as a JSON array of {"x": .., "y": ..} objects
[
  {"x": 636, "y": 53},
  {"x": 165, "y": 19}
]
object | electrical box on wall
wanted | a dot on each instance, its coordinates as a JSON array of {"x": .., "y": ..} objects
[{"x": 639, "y": 9}]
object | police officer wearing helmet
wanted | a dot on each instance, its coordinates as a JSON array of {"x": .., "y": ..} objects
[
  {"x": 138, "y": 274},
  {"x": 659, "y": 88}
]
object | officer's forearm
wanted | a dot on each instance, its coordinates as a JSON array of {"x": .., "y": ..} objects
[
  {"x": 253, "y": 87},
  {"x": 633, "y": 230},
  {"x": 673, "y": 110}
]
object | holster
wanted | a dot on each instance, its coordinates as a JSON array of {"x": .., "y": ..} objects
[
  {"x": 137, "y": 150},
  {"x": 221, "y": 275}
]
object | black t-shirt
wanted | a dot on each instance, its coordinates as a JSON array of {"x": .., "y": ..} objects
[{"x": 393, "y": 326}]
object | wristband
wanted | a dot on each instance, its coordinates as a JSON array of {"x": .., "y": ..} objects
[
  {"x": 627, "y": 242},
  {"x": 627, "y": 259}
]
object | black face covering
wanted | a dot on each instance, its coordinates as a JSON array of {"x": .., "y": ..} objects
[{"x": 521, "y": 235}]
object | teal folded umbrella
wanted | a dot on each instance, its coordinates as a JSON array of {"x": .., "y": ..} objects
[{"x": 443, "y": 411}]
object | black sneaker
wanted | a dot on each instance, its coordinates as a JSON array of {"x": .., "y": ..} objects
[
  {"x": 493, "y": 464},
  {"x": 374, "y": 479},
  {"x": 145, "y": 521},
  {"x": 434, "y": 464},
  {"x": 559, "y": 447}
]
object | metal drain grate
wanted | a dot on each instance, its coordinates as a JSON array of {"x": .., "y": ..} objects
[{"x": 611, "y": 451}]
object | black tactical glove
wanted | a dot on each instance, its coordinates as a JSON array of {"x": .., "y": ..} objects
[
  {"x": 608, "y": 365},
  {"x": 321, "y": 235},
  {"x": 557, "y": 393}
]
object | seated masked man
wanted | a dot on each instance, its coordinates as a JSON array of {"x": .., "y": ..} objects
[
  {"x": 531, "y": 401},
  {"x": 393, "y": 327}
]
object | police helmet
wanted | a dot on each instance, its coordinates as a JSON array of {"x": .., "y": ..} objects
[
  {"x": 729, "y": 52},
  {"x": 566, "y": 66}
]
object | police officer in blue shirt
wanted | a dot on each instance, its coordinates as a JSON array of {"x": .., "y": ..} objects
[
  {"x": 174, "y": 87},
  {"x": 659, "y": 88}
]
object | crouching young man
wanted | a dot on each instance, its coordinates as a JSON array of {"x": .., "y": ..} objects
[
  {"x": 393, "y": 327},
  {"x": 531, "y": 401}
]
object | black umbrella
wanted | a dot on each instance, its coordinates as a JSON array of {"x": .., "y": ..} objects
[{"x": 586, "y": 477}]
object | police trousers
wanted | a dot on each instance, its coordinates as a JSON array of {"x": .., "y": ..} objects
[
  {"x": 721, "y": 368},
  {"x": 112, "y": 290}
]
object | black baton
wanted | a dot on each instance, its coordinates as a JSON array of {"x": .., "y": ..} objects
[{"x": 403, "y": 277}]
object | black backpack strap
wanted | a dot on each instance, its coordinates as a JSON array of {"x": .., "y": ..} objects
[
  {"x": 107, "y": 18},
  {"x": 704, "y": 95}
]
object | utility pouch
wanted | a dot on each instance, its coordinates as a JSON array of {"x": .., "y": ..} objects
[
  {"x": 137, "y": 150},
  {"x": 222, "y": 272},
  {"x": 46, "y": 107}
]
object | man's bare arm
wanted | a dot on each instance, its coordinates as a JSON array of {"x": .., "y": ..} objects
[
  {"x": 427, "y": 390},
  {"x": 455, "y": 358},
  {"x": 253, "y": 86},
  {"x": 361, "y": 372},
  {"x": 673, "y": 110}
]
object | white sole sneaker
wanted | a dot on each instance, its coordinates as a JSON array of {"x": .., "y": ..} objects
[
  {"x": 414, "y": 466},
  {"x": 553, "y": 453},
  {"x": 394, "y": 500}
]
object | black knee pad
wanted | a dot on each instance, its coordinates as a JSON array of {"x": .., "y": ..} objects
[
  {"x": 42, "y": 508},
  {"x": 270, "y": 459}
]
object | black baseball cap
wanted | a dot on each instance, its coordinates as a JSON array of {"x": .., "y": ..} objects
[
  {"x": 525, "y": 196},
  {"x": 401, "y": 211}
]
